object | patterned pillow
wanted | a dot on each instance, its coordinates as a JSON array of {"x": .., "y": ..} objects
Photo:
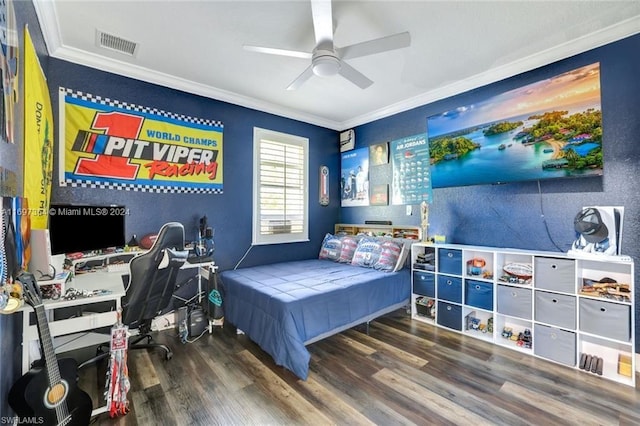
[
  {"x": 367, "y": 253},
  {"x": 389, "y": 255},
  {"x": 349, "y": 245},
  {"x": 331, "y": 248}
]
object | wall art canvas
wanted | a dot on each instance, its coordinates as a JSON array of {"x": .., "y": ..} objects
[
  {"x": 548, "y": 129},
  {"x": 354, "y": 178}
]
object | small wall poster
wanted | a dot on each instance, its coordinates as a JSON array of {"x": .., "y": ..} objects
[
  {"x": 380, "y": 195},
  {"x": 411, "y": 177},
  {"x": 354, "y": 178},
  {"x": 379, "y": 154}
]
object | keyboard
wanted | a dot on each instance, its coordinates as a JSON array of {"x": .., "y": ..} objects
[{"x": 118, "y": 267}]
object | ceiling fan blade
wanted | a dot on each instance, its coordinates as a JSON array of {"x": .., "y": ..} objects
[
  {"x": 354, "y": 76},
  {"x": 306, "y": 75},
  {"x": 379, "y": 45},
  {"x": 322, "y": 20},
  {"x": 274, "y": 51}
]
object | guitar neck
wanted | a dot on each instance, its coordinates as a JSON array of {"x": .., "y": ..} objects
[{"x": 46, "y": 345}]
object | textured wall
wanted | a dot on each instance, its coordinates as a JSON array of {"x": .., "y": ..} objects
[
  {"x": 532, "y": 215},
  {"x": 228, "y": 213}
]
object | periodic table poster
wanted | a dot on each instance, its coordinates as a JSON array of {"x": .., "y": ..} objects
[{"x": 411, "y": 176}]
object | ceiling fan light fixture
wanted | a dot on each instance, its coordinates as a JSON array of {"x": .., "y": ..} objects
[{"x": 325, "y": 66}]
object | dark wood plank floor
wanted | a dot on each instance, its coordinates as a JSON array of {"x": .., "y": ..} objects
[{"x": 402, "y": 372}]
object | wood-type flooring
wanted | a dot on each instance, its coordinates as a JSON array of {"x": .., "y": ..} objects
[{"x": 403, "y": 372}]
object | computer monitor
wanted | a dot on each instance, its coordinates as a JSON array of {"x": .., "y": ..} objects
[{"x": 85, "y": 228}]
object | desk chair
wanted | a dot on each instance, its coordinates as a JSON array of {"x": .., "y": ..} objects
[{"x": 152, "y": 281}]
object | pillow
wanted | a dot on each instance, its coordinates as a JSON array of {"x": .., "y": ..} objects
[
  {"x": 389, "y": 255},
  {"x": 348, "y": 248},
  {"x": 331, "y": 248},
  {"x": 406, "y": 249},
  {"x": 367, "y": 253}
]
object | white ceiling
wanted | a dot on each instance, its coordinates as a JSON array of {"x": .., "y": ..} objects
[{"x": 196, "y": 46}]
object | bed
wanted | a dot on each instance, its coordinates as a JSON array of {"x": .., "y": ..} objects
[{"x": 285, "y": 306}]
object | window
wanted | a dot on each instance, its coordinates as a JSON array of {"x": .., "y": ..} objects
[{"x": 280, "y": 175}]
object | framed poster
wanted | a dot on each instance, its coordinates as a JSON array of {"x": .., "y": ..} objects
[
  {"x": 379, "y": 154},
  {"x": 354, "y": 178},
  {"x": 411, "y": 171},
  {"x": 380, "y": 195}
]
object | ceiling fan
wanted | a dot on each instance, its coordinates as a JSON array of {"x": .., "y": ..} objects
[{"x": 328, "y": 60}]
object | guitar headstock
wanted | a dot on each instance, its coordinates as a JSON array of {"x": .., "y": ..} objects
[{"x": 30, "y": 289}]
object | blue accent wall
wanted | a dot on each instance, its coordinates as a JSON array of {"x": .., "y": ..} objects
[
  {"x": 531, "y": 215},
  {"x": 230, "y": 213}
]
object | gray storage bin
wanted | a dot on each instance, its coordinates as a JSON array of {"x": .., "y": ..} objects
[
  {"x": 514, "y": 301},
  {"x": 555, "y": 274},
  {"x": 449, "y": 315},
  {"x": 450, "y": 288},
  {"x": 555, "y": 344},
  {"x": 556, "y": 309},
  {"x": 424, "y": 284},
  {"x": 607, "y": 319},
  {"x": 450, "y": 261}
]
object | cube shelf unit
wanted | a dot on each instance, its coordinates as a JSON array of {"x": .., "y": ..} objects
[
  {"x": 544, "y": 304},
  {"x": 395, "y": 231}
]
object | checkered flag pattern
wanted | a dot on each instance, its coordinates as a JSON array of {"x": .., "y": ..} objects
[{"x": 136, "y": 187}]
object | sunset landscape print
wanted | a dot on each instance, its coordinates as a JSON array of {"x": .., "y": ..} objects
[{"x": 548, "y": 129}]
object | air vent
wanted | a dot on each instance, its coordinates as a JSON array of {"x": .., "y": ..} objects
[{"x": 112, "y": 42}]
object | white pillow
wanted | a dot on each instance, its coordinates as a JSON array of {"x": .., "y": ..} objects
[{"x": 406, "y": 249}]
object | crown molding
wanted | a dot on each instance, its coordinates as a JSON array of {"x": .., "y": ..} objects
[
  {"x": 565, "y": 50},
  {"x": 45, "y": 11}
]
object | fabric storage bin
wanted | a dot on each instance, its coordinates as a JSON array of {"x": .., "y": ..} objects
[
  {"x": 514, "y": 301},
  {"x": 555, "y": 309},
  {"x": 450, "y": 288},
  {"x": 424, "y": 284},
  {"x": 554, "y": 344},
  {"x": 607, "y": 319},
  {"x": 449, "y": 315},
  {"x": 450, "y": 261},
  {"x": 479, "y": 294},
  {"x": 555, "y": 274}
]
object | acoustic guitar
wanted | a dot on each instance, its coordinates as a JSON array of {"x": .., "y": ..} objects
[{"x": 49, "y": 392}]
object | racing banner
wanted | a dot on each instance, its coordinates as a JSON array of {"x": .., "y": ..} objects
[
  {"x": 112, "y": 144},
  {"x": 38, "y": 137}
]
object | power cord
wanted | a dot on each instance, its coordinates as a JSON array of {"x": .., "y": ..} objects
[
  {"x": 183, "y": 331},
  {"x": 544, "y": 220},
  {"x": 242, "y": 258},
  {"x": 194, "y": 340}
]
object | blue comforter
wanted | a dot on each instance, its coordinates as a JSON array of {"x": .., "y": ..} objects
[{"x": 284, "y": 306}]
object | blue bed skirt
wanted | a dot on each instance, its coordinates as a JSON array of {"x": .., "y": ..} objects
[{"x": 284, "y": 306}]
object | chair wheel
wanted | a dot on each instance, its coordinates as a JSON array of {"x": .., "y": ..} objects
[{"x": 169, "y": 355}]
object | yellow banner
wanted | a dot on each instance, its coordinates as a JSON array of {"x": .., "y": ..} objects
[
  {"x": 111, "y": 144},
  {"x": 38, "y": 137}
]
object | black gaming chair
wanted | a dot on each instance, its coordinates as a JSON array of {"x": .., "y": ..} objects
[{"x": 152, "y": 281}]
